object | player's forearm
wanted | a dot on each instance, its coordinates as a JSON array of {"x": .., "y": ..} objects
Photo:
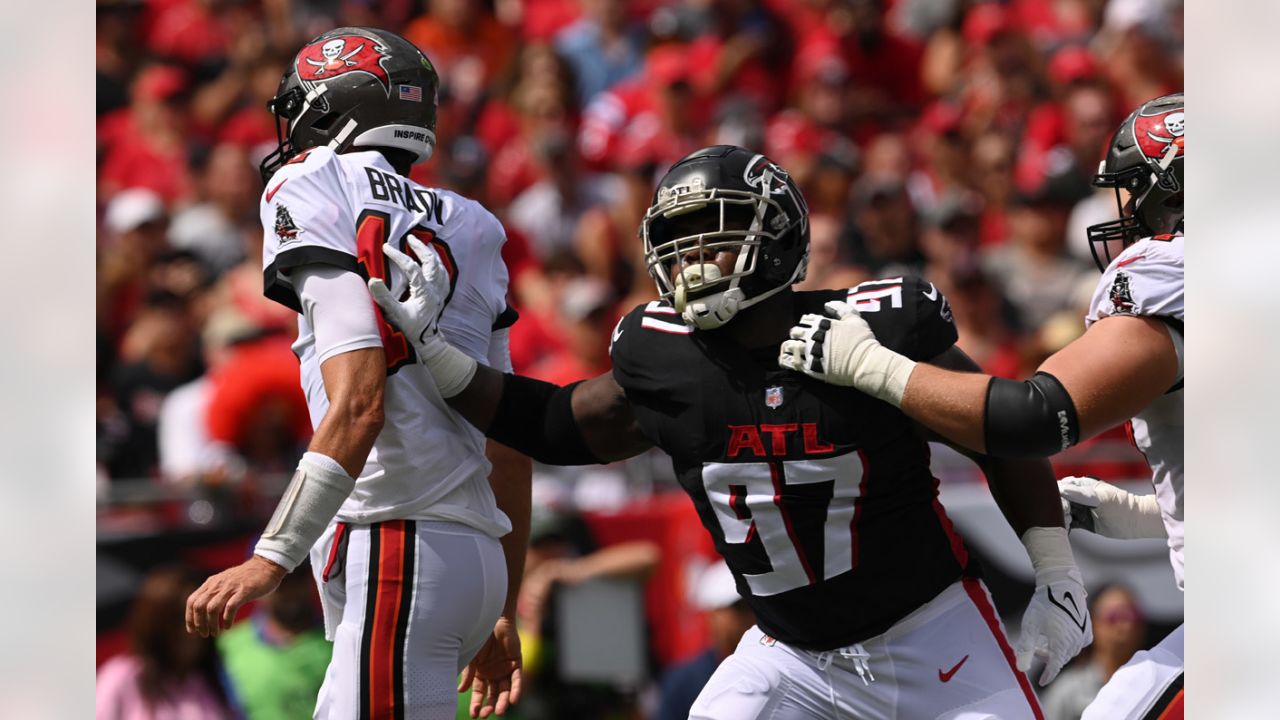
[
  {"x": 1026, "y": 491},
  {"x": 347, "y": 436},
  {"x": 952, "y": 404},
  {"x": 478, "y": 402},
  {"x": 354, "y": 382},
  {"x": 511, "y": 480},
  {"x": 630, "y": 559}
]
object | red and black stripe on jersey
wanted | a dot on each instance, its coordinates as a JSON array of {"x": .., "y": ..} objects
[{"x": 820, "y": 498}]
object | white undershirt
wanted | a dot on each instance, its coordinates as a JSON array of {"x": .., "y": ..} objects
[{"x": 338, "y": 308}]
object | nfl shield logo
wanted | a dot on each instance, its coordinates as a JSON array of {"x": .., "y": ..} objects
[{"x": 773, "y": 396}]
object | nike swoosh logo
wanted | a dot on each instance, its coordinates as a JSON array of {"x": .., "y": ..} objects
[
  {"x": 272, "y": 192},
  {"x": 932, "y": 294},
  {"x": 1072, "y": 613},
  {"x": 946, "y": 676}
]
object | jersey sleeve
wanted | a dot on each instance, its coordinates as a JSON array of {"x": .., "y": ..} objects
[
  {"x": 631, "y": 346},
  {"x": 306, "y": 220},
  {"x": 908, "y": 315},
  {"x": 473, "y": 239},
  {"x": 1145, "y": 280}
]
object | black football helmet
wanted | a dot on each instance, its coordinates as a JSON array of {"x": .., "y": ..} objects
[
  {"x": 720, "y": 198},
  {"x": 1145, "y": 158},
  {"x": 355, "y": 87}
]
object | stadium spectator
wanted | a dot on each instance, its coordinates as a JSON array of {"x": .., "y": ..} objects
[
  {"x": 884, "y": 220},
  {"x": 1033, "y": 268},
  {"x": 828, "y": 265},
  {"x": 157, "y": 355},
  {"x": 728, "y": 617},
  {"x": 136, "y": 221},
  {"x": 585, "y": 322},
  {"x": 797, "y": 137},
  {"x": 468, "y": 46},
  {"x": 603, "y": 47},
  {"x": 921, "y": 132},
  {"x": 167, "y": 674},
  {"x": 212, "y": 226},
  {"x": 1119, "y": 629},
  {"x": 539, "y": 104},
  {"x": 146, "y": 145},
  {"x": 276, "y": 658},
  {"x": 562, "y": 552},
  {"x": 187, "y": 455},
  {"x": 548, "y": 212}
]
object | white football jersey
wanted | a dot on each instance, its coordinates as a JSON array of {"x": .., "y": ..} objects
[
  {"x": 338, "y": 210},
  {"x": 1146, "y": 279}
]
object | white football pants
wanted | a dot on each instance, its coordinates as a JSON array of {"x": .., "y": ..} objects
[
  {"x": 407, "y": 603},
  {"x": 947, "y": 659}
]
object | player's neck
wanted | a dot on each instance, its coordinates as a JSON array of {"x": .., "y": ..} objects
[
  {"x": 399, "y": 160},
  {"x": 764, "y": 324}
]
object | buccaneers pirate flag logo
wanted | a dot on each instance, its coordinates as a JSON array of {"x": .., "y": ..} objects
[
  {"x": 286, "y": 230},
  {"x": 321, "y": 61}
]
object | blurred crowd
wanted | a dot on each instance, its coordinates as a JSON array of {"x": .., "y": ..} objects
[
  {"x": 952, "y": 139},
  {"x": 949, "y": 138}
]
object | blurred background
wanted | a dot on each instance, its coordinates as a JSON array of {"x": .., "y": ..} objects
[{"x": 948, "y": 138}]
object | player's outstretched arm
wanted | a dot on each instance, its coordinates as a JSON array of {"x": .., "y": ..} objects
[
  {"x": 1056, "y": 624},
  {"x": 584, "y": 423},
  {"x": 1109, "y": 511},
  {"x": 1113, "y": 371},
  {"x": 354, "y": 382}
]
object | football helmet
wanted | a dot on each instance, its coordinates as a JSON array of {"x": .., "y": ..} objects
[
  {"x": 355, "y": 87},
  {"x": 717, "y": 199},
  {"x": 1145, "y": 158}
]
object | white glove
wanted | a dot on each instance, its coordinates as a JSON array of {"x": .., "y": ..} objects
[
  {"x": 841, "y": 349},
  {"x": 1096, "y": 506},
  {"x": 418, "y": 316},
  {"x": 1055, "y": 625}
]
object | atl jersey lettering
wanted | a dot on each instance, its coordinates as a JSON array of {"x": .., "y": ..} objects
[
  {"x": 1146, "y": 280},
  {"x": 339, "y": 210},
  {"x": 819, "y": 498}
]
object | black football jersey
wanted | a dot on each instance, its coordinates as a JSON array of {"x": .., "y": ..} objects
[{"x": 819, "y": 497}]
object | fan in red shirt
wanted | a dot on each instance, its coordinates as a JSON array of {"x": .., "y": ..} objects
[{"x": 145, "y": 145}]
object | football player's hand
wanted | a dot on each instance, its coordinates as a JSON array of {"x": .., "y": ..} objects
[
  {"x": 494, "y": 674},
  {"x": 1056, "y": 624},
  {"x": 839, "y": 348},
  {"x": 213, "y": 606},
  {"x": 1099, "y": 507},
  {"x": 418, "y": 316}
]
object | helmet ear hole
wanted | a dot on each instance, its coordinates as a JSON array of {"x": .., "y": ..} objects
[{"x": 325, "y": 122}]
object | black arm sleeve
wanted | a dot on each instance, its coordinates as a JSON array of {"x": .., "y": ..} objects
[
  {"x": 536, "y": 418},
  {"x": 1035, "y": 418}
]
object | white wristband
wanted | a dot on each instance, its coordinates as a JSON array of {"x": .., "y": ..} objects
[
  {"x": 1050, "y": 554},
  {"x": 451, "y": 368},
  {"x": 318, "y": 488},
  {"x": 1124, "y": 515},
  {"x": 884, "y": 375}
]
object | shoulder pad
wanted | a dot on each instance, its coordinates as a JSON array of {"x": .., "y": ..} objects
[
  {"x": 306, "y": 162},
  {"x": 908, "y": 314},
  {"x": 1147, "y": 279},
  {"x": 641, "y": 344}
]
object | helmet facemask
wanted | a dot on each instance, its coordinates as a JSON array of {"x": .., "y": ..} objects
[{"x": 690, "y": 220}]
